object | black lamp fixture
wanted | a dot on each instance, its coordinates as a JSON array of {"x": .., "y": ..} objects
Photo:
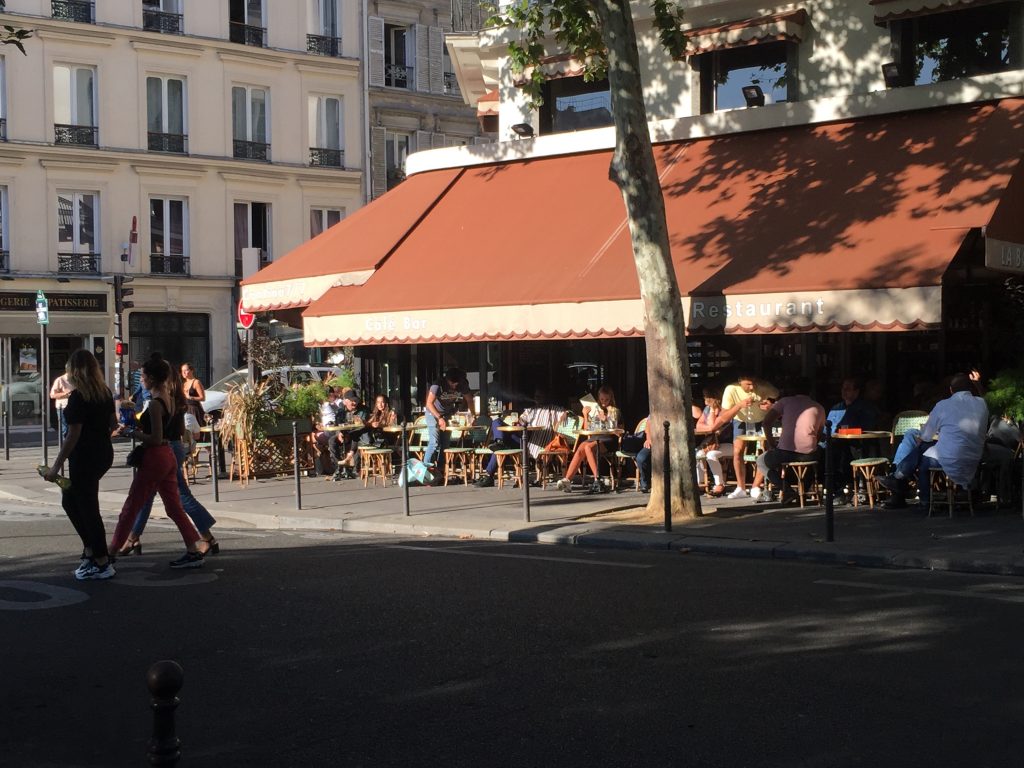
[
  {"x": 891, "y": 73},
  {"x": 522, "y": 130},
  {"x": 753, "y": 95},
  {"x": 63, "y": 279}
]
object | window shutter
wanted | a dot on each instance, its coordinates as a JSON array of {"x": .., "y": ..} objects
[
  {"x": 437, "y": 141},
  {"x": 375, "y": 50},
  {"x": 455, "y": 141},
  {"x": 481, "y": 140},
  {"x": 436, "y": 36},
  {"x": 422, "y": 140},
  {"x": 378, "y": 162},
  {"x": 422, "y": 58}
]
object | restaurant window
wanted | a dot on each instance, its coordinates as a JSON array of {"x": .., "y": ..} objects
[
  {"x": 250, "y": 123},
  {"x": 5, "y": 256},
  {"x": 321, "y": 219},
  {"x": 724, "y": 73},
  {"x": 396, "y": 151},
  {"x": 956, "y": 44},
  {"x": 178, "y": 336},
  {"x": 325, "y": 132},
  {"x": 165, "y": 114},
  {"x": 245, "y": 19},
  {"x": 162, "y": 16},
  {"x": 398, "y": 72},
  {"x": 74, "y": 105},
  {"x": 252, "y": 230},
  {"x": 168, "y": 236},
  {"x": 571, "y": 104},
  {"x": 78, "y": 232}
]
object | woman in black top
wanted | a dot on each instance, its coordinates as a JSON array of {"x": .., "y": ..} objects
[{"x": 87, "y": 449}]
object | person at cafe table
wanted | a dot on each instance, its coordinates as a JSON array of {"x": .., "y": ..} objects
[
  {"x": 741, "y": 404},
  {"x": 851, "y": 412},
  {"x": 352, "y": 411},
  {"x": 541, "y": 414},
  {"x": 603, "y": 414},
  {"x": 443, "y": 401}
]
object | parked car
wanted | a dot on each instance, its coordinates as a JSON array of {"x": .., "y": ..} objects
[{"x": 217, "y": 393}]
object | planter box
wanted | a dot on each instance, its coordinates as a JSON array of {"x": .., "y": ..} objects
[
  {"x": 273, "y": 455},
  {"x": 284, "y": 427}
]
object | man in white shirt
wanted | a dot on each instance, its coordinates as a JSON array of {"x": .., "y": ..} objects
[
  {"x": 59, "y": 393},
  {"x": 953, "y": 439},
  {"x": 328, "y": 418}
]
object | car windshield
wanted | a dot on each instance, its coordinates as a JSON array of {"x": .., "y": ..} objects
[{"x": 231, "y": 380}]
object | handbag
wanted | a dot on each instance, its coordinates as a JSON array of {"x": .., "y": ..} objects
[
  {"x": 416, "y": 473},
  {"x": 557, "y": 444},
  {"x": 135, "y": 456}
]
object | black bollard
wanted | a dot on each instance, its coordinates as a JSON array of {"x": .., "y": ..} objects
[
  {"x": 526, "y": 478},
  {"x": 214, "y": 450},
  {"x": 666, "y": 471},
  {"x": 7, "y": 434},
  {"x": 403, "y": 471},
  {"x": 830, "y": 525},
  {"x": 295, "y": 453},
  {"x": 164, "y": 679}
]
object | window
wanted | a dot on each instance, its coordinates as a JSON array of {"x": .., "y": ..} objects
[
  {"x": 176, "y": 335},
  {"x": 325, "y": 131},
  {"x": 397, "y": 72},
  {"x": 72, "y": 10},
  {"x": 5, "y": 256},
  {"x": 165, "y": 114},
  {"x": 570, "y": 104},
  {"x": 321, "y": 219},
  {"x": 74, "y": 100},
  {"x": 249, "y": 122},
  {"x": 396, "y": 150},
  {"x": 325, "y": 40},
  {"x": 168, "y": 236},
  {"x": 78, "y": 232},
  {"x": 948, "y": 46},
  {"x": 162, "y": 16},
  {"x": 246, "y": 22},
  {"x": 724, "y": 73},
  {"x": 252, "y": 230}
]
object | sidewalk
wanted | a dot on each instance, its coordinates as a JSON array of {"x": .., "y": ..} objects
[{"x": 990, "y": 543}]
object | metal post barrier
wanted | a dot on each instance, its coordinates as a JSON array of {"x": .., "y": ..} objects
[
  {"x": 164, "y": 679},
  {"x": 214, "y": 448},
  {"x": 403, "y": 468},
  {"x": 526, "y": 477},
  {"x": 830, "y": 531},
  {"x": 666, "y": 472},
  {"x": 295, "y": 454},
  {"x": 7, "y": 432},
  {"x": 7, "y": 373}
]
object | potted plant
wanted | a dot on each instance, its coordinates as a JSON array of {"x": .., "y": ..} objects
[{"x": 302, "y": 405}]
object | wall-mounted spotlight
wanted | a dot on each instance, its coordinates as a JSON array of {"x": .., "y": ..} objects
[
  {"x": 891, "y": 73},
  {"x": 522, "y": 130},
  {"x": 753, "y": 95}
]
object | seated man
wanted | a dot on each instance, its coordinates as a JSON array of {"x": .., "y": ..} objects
[
  {"x": 343, "y": 444},
  {"x": 802, "y": 422},
  {"x": 328, "y": 418},
  {"x": 540, "y": 415},
  {"x": 953, "y": 439},
  {"x": 741, "y": 404},
  {"x": 853, "y": 412}
]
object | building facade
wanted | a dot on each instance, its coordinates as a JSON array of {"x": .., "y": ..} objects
[{"x": 183, "y": 143}]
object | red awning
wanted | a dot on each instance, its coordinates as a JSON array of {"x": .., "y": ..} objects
[
  {"x": 846, "y": 225},
  {"x": 348, "y": 252}
]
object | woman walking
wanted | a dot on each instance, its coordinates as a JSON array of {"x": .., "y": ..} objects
[
  {"x": 90, "y": 418},
  {"x": 203, "y": 520},
  {"x": 159, "y": 468}
]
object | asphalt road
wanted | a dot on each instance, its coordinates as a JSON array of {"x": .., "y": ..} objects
[{"x": 327, "y": 649}]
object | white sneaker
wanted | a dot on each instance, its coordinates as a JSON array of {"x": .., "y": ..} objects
[
  {"x": 755, "y": 493},
  {"x": 738, "y": 493},
  {"x": 564, "y": 485}
]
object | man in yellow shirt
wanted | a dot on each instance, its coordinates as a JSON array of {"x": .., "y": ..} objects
[{"x": 744, "y": 402}]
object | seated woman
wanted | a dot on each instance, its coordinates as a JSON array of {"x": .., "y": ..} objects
[
  {"x": 714, "y": 445},
  {"x": 602, "y": 415},
  {"x": 381, "y": 416}
]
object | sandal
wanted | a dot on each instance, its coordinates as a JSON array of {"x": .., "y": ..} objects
[{"x": 718, "y": 490}]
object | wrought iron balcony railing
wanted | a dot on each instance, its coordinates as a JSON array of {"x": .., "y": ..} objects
[
  {"x": 329, "y": 158},
  {"x": 168, "y": 142},
  {"x": 72, "y": 10},
  {"x": 323, "y": 46},
  {"x": 86, "y": 263},
  {"x": 161, "y": 21},
  {"x": 81, "y": 135},
  {"x": 451, "y": 85},
  {"x": 246, "y": 34},
  {"x": 251, "y": 150},
  {"x": 5, "y": 261},
  {"x": 161, "y": 264},
  {"x": 398, "y": 76}
]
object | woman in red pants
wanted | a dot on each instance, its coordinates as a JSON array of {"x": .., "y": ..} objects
[{"x": 159, "y": 470}]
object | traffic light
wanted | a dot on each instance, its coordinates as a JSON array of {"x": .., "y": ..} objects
[
  {"x": 120, "y": 348},
  {"x": 120, "y": 293}
]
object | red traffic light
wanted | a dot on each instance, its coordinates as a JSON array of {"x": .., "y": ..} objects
[{"x": 120, "y": 348}]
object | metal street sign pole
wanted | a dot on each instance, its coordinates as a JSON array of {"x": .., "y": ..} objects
[{"x": 43, "y": 318}]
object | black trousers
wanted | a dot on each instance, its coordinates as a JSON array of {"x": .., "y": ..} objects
[{"x": 82, "y": 501}]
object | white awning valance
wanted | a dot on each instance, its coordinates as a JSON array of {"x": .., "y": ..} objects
[
  {"x": 892, "y": 10},
  {"x": 787, "y": 26}
]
